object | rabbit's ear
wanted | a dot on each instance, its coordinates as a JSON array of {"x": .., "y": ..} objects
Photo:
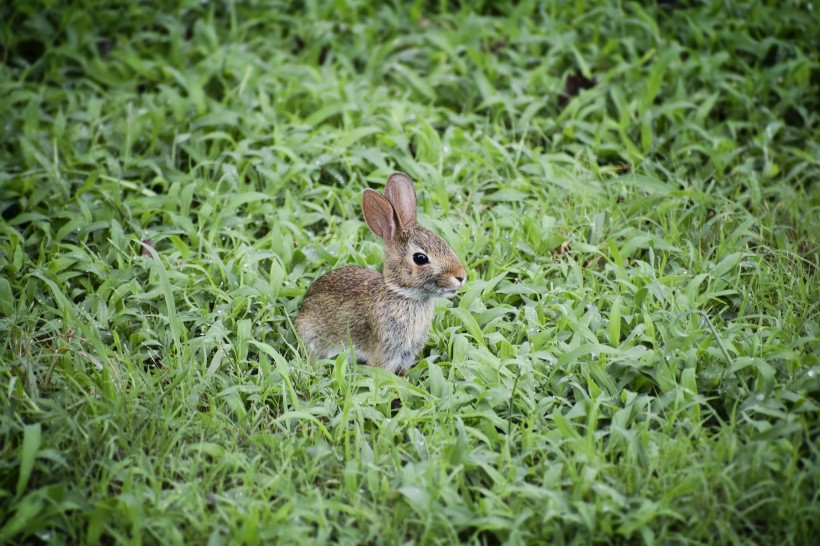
[
  {"x": 379, "y": 215},
  {"x": 400, "y": 192}
]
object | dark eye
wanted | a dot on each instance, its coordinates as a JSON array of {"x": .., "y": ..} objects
[{"x": 420, "y": 259}]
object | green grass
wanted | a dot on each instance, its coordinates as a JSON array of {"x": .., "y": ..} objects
[{"x": 635, "y": 357}]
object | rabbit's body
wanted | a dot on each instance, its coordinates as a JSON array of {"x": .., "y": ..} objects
[
  {"x": 388, "y": 334},
  {"x": 387, "y": 317}
]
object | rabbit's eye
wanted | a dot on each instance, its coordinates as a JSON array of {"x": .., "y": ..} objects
[{"x": 420, "y": 259}]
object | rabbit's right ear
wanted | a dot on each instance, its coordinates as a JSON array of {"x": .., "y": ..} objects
[
  {"x": 379, "y": 214},
  {"x": 400, "y": 192}
]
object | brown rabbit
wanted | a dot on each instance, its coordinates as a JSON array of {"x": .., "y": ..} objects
[{"x": 385, "y": 316}]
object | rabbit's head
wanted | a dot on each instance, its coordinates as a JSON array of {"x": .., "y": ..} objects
[{"x": 418, "y": 264}]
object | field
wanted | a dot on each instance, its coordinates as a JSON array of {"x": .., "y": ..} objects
[{"x": 635, "y": 358}]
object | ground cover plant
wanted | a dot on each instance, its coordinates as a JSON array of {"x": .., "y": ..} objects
[{"x": 634, "y": 358}]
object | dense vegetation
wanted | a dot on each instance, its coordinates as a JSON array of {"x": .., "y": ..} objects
[{"x": 635, "y": 357}]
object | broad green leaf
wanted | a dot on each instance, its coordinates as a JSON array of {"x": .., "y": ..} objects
[{"x": 28, "y": 455}]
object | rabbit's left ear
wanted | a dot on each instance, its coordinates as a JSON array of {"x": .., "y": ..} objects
[
  {"x": 379, "y": 214},
  {"x": 400, "y": 192}
]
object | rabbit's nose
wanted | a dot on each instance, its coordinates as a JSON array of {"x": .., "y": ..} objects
[{"x": 459, "y": 278}]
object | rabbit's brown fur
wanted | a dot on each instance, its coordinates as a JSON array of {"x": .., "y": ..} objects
[{"x": 387, "y": 317}]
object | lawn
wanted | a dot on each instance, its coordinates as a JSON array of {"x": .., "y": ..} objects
[{"x": 635, "y": 357}]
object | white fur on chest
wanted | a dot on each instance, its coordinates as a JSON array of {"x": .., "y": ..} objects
[
  {"x": 417, "y": 324},
  {"x": 407, "y": 333}
]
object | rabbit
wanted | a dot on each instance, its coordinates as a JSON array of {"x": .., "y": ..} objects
[{"x": 387, "y": 316}]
